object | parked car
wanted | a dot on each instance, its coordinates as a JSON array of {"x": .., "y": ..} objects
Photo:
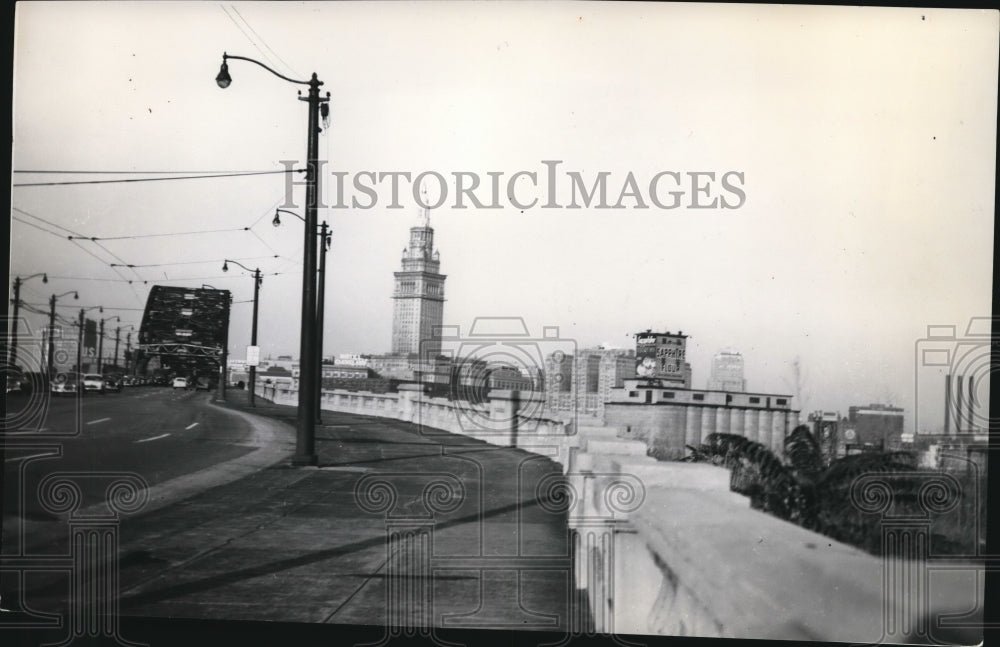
[
  {"x": 112, "y": 383},
  {"x": 180, "y": 383},
  {"x": 93, "y": 382},
  {"x": 65, "y": 384}
]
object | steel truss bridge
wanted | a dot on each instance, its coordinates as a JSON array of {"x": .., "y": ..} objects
[{"x": 184, "y": 331}]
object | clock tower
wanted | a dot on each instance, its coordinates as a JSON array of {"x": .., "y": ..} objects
[{"x": 418, "y": 295}]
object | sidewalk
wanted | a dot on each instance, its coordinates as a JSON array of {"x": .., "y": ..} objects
[{"x": 472, "y": 546}]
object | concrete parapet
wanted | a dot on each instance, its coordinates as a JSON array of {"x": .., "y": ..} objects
[{"x": 666, "y": 548}]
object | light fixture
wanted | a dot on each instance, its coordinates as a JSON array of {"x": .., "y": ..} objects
[
  {"x": 277, "y": 221},
  {"x": 224, "y": 79},
  {"x": 225, "y": 266}
]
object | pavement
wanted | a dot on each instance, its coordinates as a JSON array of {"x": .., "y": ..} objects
[{"x": 397, "y": 526}]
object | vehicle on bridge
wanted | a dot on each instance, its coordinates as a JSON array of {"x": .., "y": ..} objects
[
  {"x": 65, "y": 384},
  {"x": 205, "y": 383},
  {"x": 93, "y": 382}
]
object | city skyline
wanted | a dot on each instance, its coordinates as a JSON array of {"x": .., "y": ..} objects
[{"x": 868, "y": 162}]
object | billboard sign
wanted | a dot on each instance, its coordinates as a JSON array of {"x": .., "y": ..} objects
[{"x": 660, "y": 355}]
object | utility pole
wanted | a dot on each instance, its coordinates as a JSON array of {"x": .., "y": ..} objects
[{"x": 324, "y": 243}]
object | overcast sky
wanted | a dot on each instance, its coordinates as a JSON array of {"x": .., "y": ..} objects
[{"x": 865, "y": 140}]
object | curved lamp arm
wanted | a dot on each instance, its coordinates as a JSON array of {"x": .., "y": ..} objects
[
  {"x": 225, "y": 266},
  {"x": 223, "y": 79}
]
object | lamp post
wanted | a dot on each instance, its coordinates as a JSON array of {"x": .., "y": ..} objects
[
  {"x": 129, "y": 363},
  {"x": 52, "y": 330},
  {"x": 79, "y": 343},
  {"x": 257, "y": 280},
  {"x": 305, "y": 438},
  {"x": 12, "y": 360},
  {"x": 324, "y": 238},
  {"x": 118, "y": 332},
  {"x": 128, "y": 345},
  {"x": 100, "y": 345}
]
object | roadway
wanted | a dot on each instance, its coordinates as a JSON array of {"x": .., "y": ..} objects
[{"x": 157, "y": 433}]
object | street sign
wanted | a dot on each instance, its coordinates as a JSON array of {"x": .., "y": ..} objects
[{"x": 253, "y": 355}]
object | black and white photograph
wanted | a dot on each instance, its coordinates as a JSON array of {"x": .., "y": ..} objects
[{"x": 536, "y": 322}]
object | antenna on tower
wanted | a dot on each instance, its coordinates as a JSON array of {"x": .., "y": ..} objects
[{"x": 425, "y": 212}]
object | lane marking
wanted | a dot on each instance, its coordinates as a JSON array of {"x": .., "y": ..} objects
[
  {"x": 191, "y": 426},
  {"x": 24, "y": 458},
  {"x": 146, "y": 440},
  {"x": 94, "y": 422}
]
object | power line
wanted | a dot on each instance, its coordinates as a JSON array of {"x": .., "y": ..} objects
[
  {"x": 58, "y": 172},
  {"x": 251, "y": 41},
  {"x": 47, "y": 222},
  {"x": 217, "y": 260},
  {"x": 178, "y": 233},
  {"x": 156, "y": 179},
  {"x": 287, "y": 66}
]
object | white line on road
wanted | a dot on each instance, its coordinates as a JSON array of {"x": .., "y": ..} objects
[
  {"x": 146, "y": 440},
  {"x": 94, "y": 422},
  {"x": 191, "y": 426},
  {"x": 24, "y": 458}
]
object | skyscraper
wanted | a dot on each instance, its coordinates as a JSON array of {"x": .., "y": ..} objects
[
  {"x": 727, "y": 372},
  {"x": 418, "y": 295}
]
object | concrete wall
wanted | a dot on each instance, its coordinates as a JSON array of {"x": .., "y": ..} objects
[{"x": 665, "y": 547}]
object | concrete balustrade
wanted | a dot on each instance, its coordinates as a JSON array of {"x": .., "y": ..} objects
[{"x": 666, "y": 548}]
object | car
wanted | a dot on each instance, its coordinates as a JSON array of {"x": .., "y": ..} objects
[
  {"x": 180, "y": 383},
  {"x": 112, "y": 383},
  {"x": 65, "y": 384},
  {"x": 204, "y": 383},
  {"x": 93, "y": 382}
]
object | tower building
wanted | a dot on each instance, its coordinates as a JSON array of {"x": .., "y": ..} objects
[
  {"x": 418, "y": 296},
  {"x": 727, "y": 372}
]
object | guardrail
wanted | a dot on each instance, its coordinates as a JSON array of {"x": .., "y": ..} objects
[{"x": 666, "y": 548}]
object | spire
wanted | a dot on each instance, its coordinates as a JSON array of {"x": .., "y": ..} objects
[{"x": 425, "y": 212}]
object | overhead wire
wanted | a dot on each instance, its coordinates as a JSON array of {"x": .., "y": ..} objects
[
  {"x": 287, "y": 66},
  {"x": 154, "y": 179}
]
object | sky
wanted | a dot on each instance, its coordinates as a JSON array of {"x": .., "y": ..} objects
[{"x": 861, "y": 143}]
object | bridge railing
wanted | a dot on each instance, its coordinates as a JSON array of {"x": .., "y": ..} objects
[{"x": 666, "y": 548}]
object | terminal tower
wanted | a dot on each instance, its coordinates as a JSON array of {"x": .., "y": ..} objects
[{"x": 418, "y": 295}]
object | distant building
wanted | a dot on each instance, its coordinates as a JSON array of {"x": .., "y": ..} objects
[
  {"x": 418, "y": 296},
  {"x": 662, "y": 355},
  {"x": 826, "y": 429},
  {"x": 583, "y": 382},
  {"x": 727, "y": 372},
  {"x": 347, "y": 359},
  {"x": 669, "y": 418},
  {"x": 874, "y": 426},
  {"x": 347, "y": 372}
]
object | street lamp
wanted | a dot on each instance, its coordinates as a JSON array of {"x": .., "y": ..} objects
[
  {"x": 305, "y": 445},
  {"x": 324, "y": 237},
  {"x": 253, "y": 328},
  {"x": 100, "y": 345},
  {"x": 79, "y": 341},
  {"x": 118, "y": 332},
  {"x": 12, "y": 360},
  {"x": 52, "y": 329}
]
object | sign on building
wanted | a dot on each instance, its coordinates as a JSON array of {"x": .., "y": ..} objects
[{"x": 660, "y": 355}]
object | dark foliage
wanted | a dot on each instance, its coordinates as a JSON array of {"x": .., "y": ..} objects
[{"x": 808, "y": 489}]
